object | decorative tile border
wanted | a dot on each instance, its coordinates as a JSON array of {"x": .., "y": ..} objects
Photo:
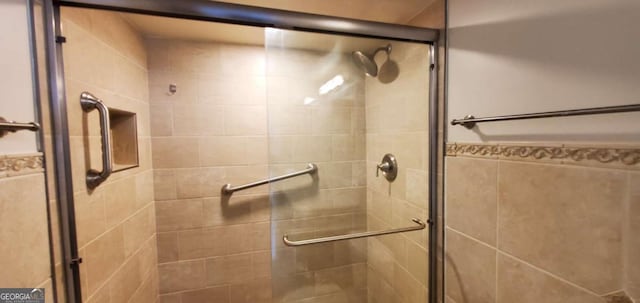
[
  {"x": 24, "y": 164},
  {"x": 588, "y": 155}
]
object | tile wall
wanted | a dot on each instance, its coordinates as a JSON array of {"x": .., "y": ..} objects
[
  {"x": 397, "y": 123},
  {"x": 527, "y": 224},
  {"x": 24, "y": 233},
  {"x": 24, "y": 230},
  {"x": 115, "y": 222},
  {"x": 212, "y": 131}
]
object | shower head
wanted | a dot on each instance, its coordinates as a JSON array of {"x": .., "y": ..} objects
[{"x": 366, "y": 62}]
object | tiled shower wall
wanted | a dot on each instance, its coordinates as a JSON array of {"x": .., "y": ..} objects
[
  {"x": 397, "y": 122},
  {"x": 213, "y": 131},
  {"x": 116, "y": 221},
  {"x": 523, "y": 226}
]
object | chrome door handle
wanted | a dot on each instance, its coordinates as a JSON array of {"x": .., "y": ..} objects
[{"x": 90, "y": 102}]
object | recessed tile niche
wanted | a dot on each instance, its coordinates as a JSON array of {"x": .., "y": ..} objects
[{"x": 124, "y": 147}]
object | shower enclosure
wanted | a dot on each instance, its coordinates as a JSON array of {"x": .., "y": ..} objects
[
  {"x": 295, "y": 166},
  {"x": 326, "y": 110}
]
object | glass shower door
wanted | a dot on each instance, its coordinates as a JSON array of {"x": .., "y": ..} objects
[{"x": 357, "y": 109}]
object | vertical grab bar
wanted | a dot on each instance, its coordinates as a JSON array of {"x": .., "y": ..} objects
[{"x": 90, "y": 102}]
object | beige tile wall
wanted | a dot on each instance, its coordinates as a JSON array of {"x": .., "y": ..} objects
[
  {"x": 329, "y": 132},
  {"x": 535, "y": 231},
  {"x": 116, "y": 221},
  {"x": 212, "y": 131},
  {"x": 397, "y": 123},
  {"x": 24, "y": 231}
]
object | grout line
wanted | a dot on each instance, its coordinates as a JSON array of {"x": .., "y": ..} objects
[
  {"x": 79, "y": 82},
  {"x": 251, "y": 252},
  {"x": 525, "y": 262},
  {"x": 550, "y": 274},
  {"x": 83, "y": 191},
  {"x": 119, "y": 224},
  {"x": 104, "y": 43},
  {"x": 31, "y": 173},
  {"x": 126, "y": 260},
  {"x": 471, "y": 238},
  {"x": 615, "y": 292},
  {"x": 149, "y": 279},
  {"x": 414, "y": 16}
]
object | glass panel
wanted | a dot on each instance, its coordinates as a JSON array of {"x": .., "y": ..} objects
[{"x": 324, "y": 109}]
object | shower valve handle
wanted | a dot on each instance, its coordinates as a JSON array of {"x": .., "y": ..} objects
[
  {"x": 389, "y": 167},
  {"x": 382, "y": 167}
]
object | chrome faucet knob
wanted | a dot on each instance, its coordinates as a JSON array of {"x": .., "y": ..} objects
[
  {"x": 388, "y": 166},
  {"x": 384, "y": 167}
]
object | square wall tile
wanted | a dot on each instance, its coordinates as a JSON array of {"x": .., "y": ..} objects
[
  {"x": 548, "y": 216},
  {"x": 470, "y": 272},
  {"x": 519, "y": 282},
  {"x": 471, "y": 193},
  {"x": 25, "y": 252},
  {"x": 179, "y": 276}
]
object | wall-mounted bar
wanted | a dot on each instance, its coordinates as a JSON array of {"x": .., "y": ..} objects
[
  {"x": 12, "y": 126},
  {"x": 470, "y": 121},
  {"x": 420, "y": 225},
  {"x": 90, "y": 102},
  {"x": 227, "y": 189}
]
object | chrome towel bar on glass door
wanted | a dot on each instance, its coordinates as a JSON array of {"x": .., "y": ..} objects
[
  {"x": 227, "y": 189},
  {"x": 470, "y": 121},
  {"x": 420, "y": 225},
  {"x": 12, "y": 126}
]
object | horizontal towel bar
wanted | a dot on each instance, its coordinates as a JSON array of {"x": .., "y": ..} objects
[
  {"x": 12, "y": 126},
  {"x": 420, "y": 225},
  {"x": 470, "y": 121},
  {"x": 227, "y": 189}
]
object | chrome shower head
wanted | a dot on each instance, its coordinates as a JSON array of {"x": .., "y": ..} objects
[{"x": 366, "y": 62}]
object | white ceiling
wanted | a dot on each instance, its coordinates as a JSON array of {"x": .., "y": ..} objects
[{"x": 390, "y": 11}]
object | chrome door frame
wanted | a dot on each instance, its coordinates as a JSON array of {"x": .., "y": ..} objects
[
  {"x": 61, "y": 152},
  {"x": 206, "y": 10}
]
